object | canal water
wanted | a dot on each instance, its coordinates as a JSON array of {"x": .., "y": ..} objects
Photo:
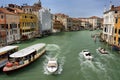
[{"x": 66, "y": 47}]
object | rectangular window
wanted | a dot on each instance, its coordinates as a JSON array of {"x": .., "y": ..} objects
[
  {"x": 10, "y": 26},
  {"x": 119, "y": 40},
  {"x": 6, "y": 26},
  {"x": 105, "y": 29},
  {"x": 2, "y": 16},
  {"x": 115, "y": 30},
  {"x": 2, "y": 26},
  {"x": 114, "y": 38},
  {"x": 119, "y": 32},
  {"x": 116, "y": 20},
  {"x": 115, "y": 11}
]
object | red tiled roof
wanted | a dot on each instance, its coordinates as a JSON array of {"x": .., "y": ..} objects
[
  {"x": 3, "y": 10},
  {"x": 94, "y": 17},
  {"x": 17, "y": 10},
  {"x": 60, "y": 14},
  {"x": 117, "y": 8}
]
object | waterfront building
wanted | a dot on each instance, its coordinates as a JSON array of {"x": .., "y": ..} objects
[
  {"x": 69, "y": 23},
  {"x": 108, "y": 23},
  {"x": 85, "y": 24},
  {"x": 92, "y": 22},
  {"x": 34, "y": 10},
  {"x": 36, "y": 7},
  {"x": 45, "y": 21},
  {"x": 28, "y": 25},
  {"x": 57, "y": 25},
  {"x": 9, "y": 26},
  {"x": 116, "y": 40},
  {"x": 64, "y": 19},
  {"x": 28, "y": 22},
  {"x": 95, "y": 22},
  {"x": 76, "y": 24},
  {"x": 3, "y": 36}
]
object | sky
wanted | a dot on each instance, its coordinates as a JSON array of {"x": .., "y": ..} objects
[{"x": 72, "y": 8}]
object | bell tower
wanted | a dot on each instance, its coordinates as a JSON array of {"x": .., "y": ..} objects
[{"x": 39, "y": 3}]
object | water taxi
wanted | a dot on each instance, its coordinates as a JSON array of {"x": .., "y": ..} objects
[
  {"x": 52, "y": 65},
  {"x": 24, "y": 57},
  {"x": 5, "y": 52},
  {"x": 87, "y": 55},
  {"x": 102, "y": 50}
]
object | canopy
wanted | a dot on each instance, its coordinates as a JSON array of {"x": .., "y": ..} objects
[
  {"x": 7, "y": 48},
  {"x": 28, "y": 50}
]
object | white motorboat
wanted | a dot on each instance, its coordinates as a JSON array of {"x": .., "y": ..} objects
[
  {"x": 102, "y": 50},
  {"x": 52, "y": 65},
  {"x": 87, "y": 55}
]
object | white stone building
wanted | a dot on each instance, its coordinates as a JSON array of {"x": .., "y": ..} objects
[
  {"x": 45, "y": 21},
  {"x": 108, "y": 23}
]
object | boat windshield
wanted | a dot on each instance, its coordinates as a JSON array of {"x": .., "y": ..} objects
[{"x": 85, "y": 51}]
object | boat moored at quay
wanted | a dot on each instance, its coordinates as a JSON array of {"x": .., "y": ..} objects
[
  {"x": 24, "y": 57},
  {"x": 5, "y": 52}
]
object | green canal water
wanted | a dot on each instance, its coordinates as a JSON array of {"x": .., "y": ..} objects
[{"x": 66, "y": 47}]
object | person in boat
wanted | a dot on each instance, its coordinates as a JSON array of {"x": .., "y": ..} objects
[
  {"x": 88, "y": 54},
  {"x": 103, "y": 50}
]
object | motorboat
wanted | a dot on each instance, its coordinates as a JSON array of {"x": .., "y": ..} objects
[
  {"x": 102, "y": 50},
  {"x": 87, "y": 55},
  {"x": 52, "y": 65}
]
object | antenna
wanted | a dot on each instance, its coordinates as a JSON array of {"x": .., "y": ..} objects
[
  {"x": 110, "y": 4},
  {"x": 105, "y": 8}
]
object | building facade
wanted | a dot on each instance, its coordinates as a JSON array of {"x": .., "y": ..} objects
[
  {"x": 108, "y": 23},
  {"x": 3, "y": 32},
  {"x": 45, "y": 21},
  {"x": 65, "y": 20},
  {"x": 27, "y": 21},
  {"x": 11, "y": 26},
  {"x": 95, "y": 22},
  {"x": 28, "y": 25},
  {"x": 34, "y": 10},
  {"x": 116, "y": 39}
]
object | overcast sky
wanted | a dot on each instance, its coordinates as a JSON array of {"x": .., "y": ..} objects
[{"x": 73, "y": 8}]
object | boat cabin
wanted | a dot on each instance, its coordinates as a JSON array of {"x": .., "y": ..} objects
[{"x": 5, "y": 52}]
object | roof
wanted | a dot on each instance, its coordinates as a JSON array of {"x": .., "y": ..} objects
[
  {"x": 27, "y": 6},
  {"x": 94, "y": 17},
  {"x": 113, "y": 8},
  {"x": 17, "y": 10},
  {"x": 28, "y": 50},
  {"x": 7, "y": 48},
  {"x": 60, "y": 14},
  {"x": 3, "y": 10}
]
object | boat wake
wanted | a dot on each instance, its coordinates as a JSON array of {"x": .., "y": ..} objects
[
  {"x": 53, "y": 51},
  {"x": 99, "y": 67},
  {"x": 87, "y": 67}
]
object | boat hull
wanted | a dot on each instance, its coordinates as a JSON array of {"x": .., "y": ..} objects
[
  {"x": 51, "y": 69},
  {"x": 3, "y": 62},
  {"x": 52, "y": 65},
  {"x": 116, "y": 48},
  {"x": 101, "y": 52}
]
